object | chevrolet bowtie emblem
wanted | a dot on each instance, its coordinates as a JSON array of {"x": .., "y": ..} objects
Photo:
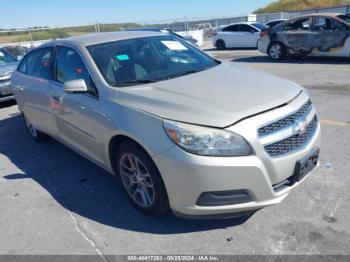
[{"x": 300, "y": 126}]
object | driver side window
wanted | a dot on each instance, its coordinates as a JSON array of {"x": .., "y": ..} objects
[{"x": 70, "y": 66}]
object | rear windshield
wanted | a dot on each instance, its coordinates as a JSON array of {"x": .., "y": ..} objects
[
  {"x": 5, "y": 57},
  {"x": 260, "y": 26},
  {"x": 345, "y": 18},
  {"x": 148, "y": 59}
]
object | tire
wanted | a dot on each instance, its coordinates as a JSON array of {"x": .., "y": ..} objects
[
  {"x": 34, "y": 133},
  {"x": 220, "y": 45},
  {"x": 141, "y": 179},
  {"x": 277, "y": 52}
]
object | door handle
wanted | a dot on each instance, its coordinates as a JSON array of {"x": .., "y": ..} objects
[{"x": 19, "y": 88}]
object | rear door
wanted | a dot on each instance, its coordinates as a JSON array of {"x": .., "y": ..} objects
[
  {"x": 77, "y": 115},
  {"x": 248, "y": 36},
  {"x": 230, "y": 35},
  {"x": 31, "y": 85},
  {"x": 298, "y": 36}
]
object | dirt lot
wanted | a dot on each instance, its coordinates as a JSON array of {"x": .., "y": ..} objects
[{"x": 56, "y": 202}]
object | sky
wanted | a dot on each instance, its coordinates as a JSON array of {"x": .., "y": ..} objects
[{"x": 29, "y": 13}]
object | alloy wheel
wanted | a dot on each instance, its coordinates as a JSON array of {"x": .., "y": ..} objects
[
  {"x": 137, "y": 180},
  {"x": 276, "y": 52}
]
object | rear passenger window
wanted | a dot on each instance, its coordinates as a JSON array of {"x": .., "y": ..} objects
[
  {"x": 247, "y": 28},
  {"x": 70, "y": 66},
  {"x": 38, "y": 63},
  {"x": 336, "y": 25},
  {"x": 300, "y": 24},
  {"x": 232, "y": 28},
  {"x": 322, "y": 23}
]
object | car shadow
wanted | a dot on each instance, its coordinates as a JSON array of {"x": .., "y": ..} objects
[
  {"x": 295, "y": 60},
  {"x": 85, "y": 189},
  {"x": 7, "y": 104}
]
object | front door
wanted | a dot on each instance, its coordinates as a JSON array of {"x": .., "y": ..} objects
[
  {"x": 298, "y": 36},
  {"x": 77, "y": 115}
]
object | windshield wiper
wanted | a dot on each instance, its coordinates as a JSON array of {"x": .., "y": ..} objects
[
  {"x": 187, "y": 72},
  {"x": 137, "y": 81}
]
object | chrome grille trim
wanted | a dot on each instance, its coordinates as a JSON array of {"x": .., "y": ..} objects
[
  {"x": 294, "y": 142},
  {"x": 286, "y": 121},
  {"x": 5, "y": 90}
]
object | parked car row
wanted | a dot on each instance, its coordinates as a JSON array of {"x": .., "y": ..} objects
[{"x": 314, "y": 35}]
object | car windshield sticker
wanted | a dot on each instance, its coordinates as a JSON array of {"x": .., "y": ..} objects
[
  {"x": 174, "y": 45},
  {"x": 122, "y": 57}
]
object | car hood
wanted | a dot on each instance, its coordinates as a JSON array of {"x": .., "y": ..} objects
[
  {"x": 217, "y": 97},
  {"x": 8, "y": 67}
]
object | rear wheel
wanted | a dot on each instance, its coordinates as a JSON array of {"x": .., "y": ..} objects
[
  {"x": 141, "y": 179},
  {"x": 220, "y": 45},
  {"x": 34, "y": 133},
  {"x": 277, "y": 52}
]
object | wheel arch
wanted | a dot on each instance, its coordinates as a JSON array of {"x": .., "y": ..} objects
[
  {"x": 277, "y": 42},
  {"x": 115, "y": 142},
  {"x": 218, "y": 41}
]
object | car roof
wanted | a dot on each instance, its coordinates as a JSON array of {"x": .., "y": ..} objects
[
  {"x": 324, "y": 14},
  {"x": 277, "y": 20},
  {"x": 240, "y": 23},
  {"x": 100, "y": 38}
]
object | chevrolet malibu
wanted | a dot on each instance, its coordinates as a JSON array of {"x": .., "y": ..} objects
[{"x": 182, "y": 130}]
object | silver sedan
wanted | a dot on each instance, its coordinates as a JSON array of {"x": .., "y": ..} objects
[{"x": 182, "y": 130}]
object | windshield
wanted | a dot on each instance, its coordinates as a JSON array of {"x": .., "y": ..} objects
[
  {"x": 148, "y": 59},
  {"x": 5, "y": 57},
  {"x": 260, "y": 26},
  {"x": 345, "y": 18}
]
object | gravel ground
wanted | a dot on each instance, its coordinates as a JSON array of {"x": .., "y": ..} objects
[{"x": 55, "y": 202}]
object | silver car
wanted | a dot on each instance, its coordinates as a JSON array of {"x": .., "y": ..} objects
[
  {"x": 8, "y": 64},
  {"x": 182, "y": 130}
]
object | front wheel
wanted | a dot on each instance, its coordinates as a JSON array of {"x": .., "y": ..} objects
[
  {"x": 141, "y": 179},
  {"x": 277, "y": 52}
]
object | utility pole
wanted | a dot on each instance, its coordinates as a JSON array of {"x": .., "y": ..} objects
[{"x": 30, "y": 37}]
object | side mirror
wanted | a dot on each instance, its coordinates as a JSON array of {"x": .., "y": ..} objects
[{"x": 75, "y": 86}]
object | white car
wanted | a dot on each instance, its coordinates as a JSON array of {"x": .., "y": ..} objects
[{"x": 244, "y": 35}]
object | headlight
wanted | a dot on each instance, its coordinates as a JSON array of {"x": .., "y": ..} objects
[
  {"x": 6, "y": 76},
  {"x": 206, "y": 141}
]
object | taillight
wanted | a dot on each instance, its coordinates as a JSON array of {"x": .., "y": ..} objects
[{"x": 264, "y": 33}]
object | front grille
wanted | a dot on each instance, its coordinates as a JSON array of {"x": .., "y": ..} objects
[
  {"x": 294, "y": 142},
  {"x": 5, "y": 91},
  {"x": 287, "y": 121}
]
